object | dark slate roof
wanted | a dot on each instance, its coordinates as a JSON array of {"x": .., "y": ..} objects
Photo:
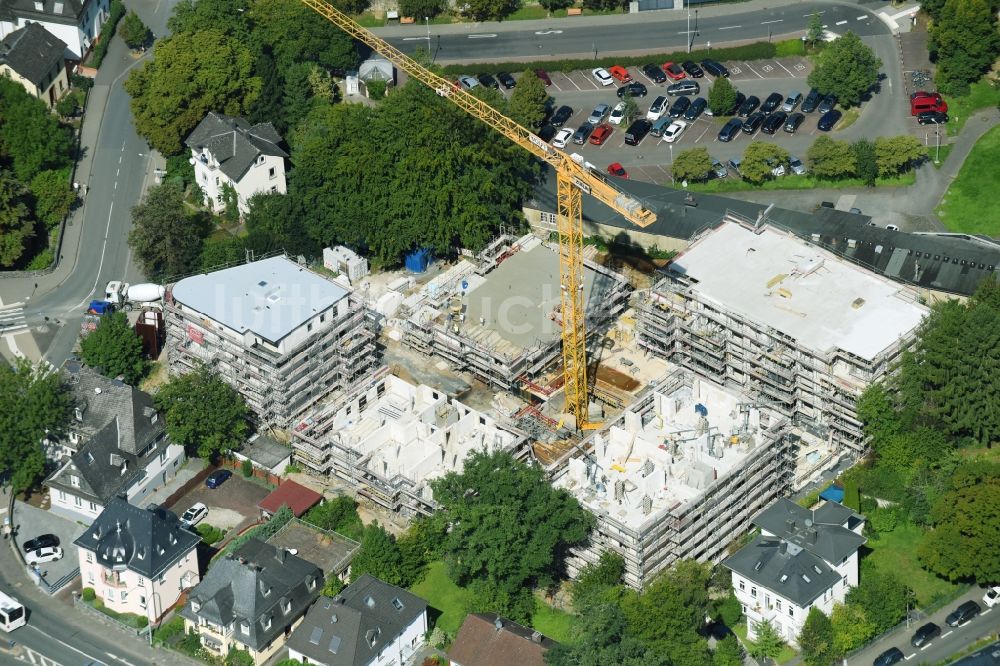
[
  {"x": 790, "y": 522},
  {"x": 32, "y": 52},
  {"x": 835, "y": 513},
  {"x": 253, "y": 584},
  {"x": 66, "y": 12},
  {"x": 234, "y": 143},
  {"x": 784, "y": 568},
  {"x": 355, "y": 626},
  {"x": 954, "y": 263},
  {"x": 147, "y": 541},
  {"x": 486, "y": 639}
]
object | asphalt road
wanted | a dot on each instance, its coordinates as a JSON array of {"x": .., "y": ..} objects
[{"x": 647, "y": 31}]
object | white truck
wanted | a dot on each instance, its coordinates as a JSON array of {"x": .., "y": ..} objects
[{"x": 134, "y": 296}]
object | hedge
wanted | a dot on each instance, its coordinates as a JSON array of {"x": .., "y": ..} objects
[
  {"x": 107, "y": 32},
  {"x": 755, "y": 51}
]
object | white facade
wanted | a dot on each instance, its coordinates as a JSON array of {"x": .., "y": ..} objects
[
  {"x": 396, "y": 653},
  {"x": 345, "y": 261},
  {"x": 78, "y": 38},
  {"x": 266, "y": 175}
]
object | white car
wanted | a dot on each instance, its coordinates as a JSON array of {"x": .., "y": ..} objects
[
  {"x": 659, "y": 106},
  {"x": 676, "y": 128},
  {"x": 194, "y": 515},
  {"x": 617, "y": 114},
  {"x": 562, "y": 137},
  {"x": 43, "y": 555},
  {"x": 992, "y": 596},
  {"x": 603, "y": 76}
]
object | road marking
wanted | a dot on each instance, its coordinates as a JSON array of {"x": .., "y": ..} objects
[
  {"x": 570, "y": 79},
  {"x": 66, "y": 645},
  {"x": 753, "y": 70},
  {"x": 925, "y": 647},
  {"x": 767, "y": 68},
  {"x": 911, "y": 656},
  {"x": 731, "y": 27},
  {"x": 842, "y": 22},
  {"x": 486, "y": 36},
  {"x": 414, "y": 39},
  {"x": 117, "y": 658},
  {"x": 987, "y": 611},
  {"x": 863, "y": 17},
  {"x": 774, "y": 21},
  {"x": 735, "y": 70},
  {"x": 946, "y": 635},
  {"x": 799, "y": 66},
  {"x": 703, "y": 133},
  {"x": 784, "y": 68},
  {"x": 808, "y": 15},
  {"x": 548, "y": 32}
]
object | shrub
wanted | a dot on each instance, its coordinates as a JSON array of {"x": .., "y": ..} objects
[
  {"x": 107, "y": 32},
  {"x": 292, "y": 469},
  {"x": 175, "y": 627},
  {"x": 88, "y": 594},
  {"x": 41, "y": 260},
  {"x": 210, "y": 534},
  {"x": 247, "y": 469}
]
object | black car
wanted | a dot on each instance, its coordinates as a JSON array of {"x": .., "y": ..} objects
[
  {"x": 217, "y": 478},
  {"x": 632, "y": 90},
  {"x": 827, "y": 104},
  {"x": 562, "y": 114},
  {"x": 772, "y": 102},
  {"x": 925, "y": 635},
  {"x": 41, "y": 541},
  {"x": 748, "y": 107},
  {"x": 932, "y": 118},
  {"x": 963, "y": 614},
  {"x": 488, "y": 81},
  {"x": 637, "y": 131},
  {"x": 654, "y": 73},
  {"x": 740, "y": 99},
  {"x": 828, "y": 120},
  {"x": 753, "y": 122},
  {"x": 696, "y": 109},
  {"x": 546, "y": 132},
  {"x": 679, "y": 106},
  {"x": 730, "y": 130},
  {"x": 715, "y": 68},
  {"x": 684, "y": 88},
  {"x": 582, "y": 133},
  {"x": 793, "y": 122},
  {"x": 692, "y": 69},
  {"x": 889, "y": 657},
  {"x": 811, "y": 101},
  {"x": 774, "y": 122},
  {"x": 506, "y": 80}
]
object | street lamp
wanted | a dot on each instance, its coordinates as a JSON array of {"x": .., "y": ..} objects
[
  {"x": 688, "y": 33},
  {"x": 937, "y": 136},
  {"x": 427, "y": 22}
]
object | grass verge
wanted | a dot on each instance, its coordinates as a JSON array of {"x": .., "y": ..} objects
[
  {"x": 932, "y": 153},
  {"x": 982, "y": 95},
  {"x": 849, "y": 118},
  {"x": 554, "y": 623},
  {"x": 450, "y": 600},
  {"x": 969, "y": 205},
  {"x": 797, "y": 183},
  {"x": 896, "y": 551},
  {"x": 789, "y": 47}
]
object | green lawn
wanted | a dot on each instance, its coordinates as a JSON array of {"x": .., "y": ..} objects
[
  {"x": 787, "y": 653},
  {"x": 932, "y": 153},
  {"x": 554, "y": 623},
  {"x": 982, "y": 95},
  {"x": 897, "y": 552},
  {"x": 968, "y": 205},
  {"x": 443, "y": 596}
]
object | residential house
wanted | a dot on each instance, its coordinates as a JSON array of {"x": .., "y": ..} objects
[
  {"x": 370, "y": 622},
  {"x": 227, "y": 151},
  {"x": 252, "y": 599},
  {"x": 117, "y": 446},
  {"x": 77, "y": 23},
  {"x": 486, "y": 639},
  {"x": 35, "y": 58},
  {"x": 801, "y": 559},
  {"x": 138, "y": 560}
]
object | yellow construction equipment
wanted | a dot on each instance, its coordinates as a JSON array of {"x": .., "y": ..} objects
[{"x": 572, "y": 180}]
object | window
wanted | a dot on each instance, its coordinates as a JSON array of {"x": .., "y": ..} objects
[
  {"x": 62, "y": 495},
  {"x": 777, "y": 603},
  {"x": 124, "y": 595},
  {"x": 90, "y": 557},
  {"x": 791, "y": 612},
  {"x": 274, "y": 188},
  {"x": 260, "y": 159},
  {"x": 266, "y": 623},
  {"x": 142, "y": 600},
  {"x": 74, "y": 481},
  {"x": 742, "y": 586},
  {"x": 270, "y": 172},
  {"x": 309, "y": 326},
  {"x": 77, "y": 501},
  {"x": 744, "y": 609},
  {"x": 93, "y": 506},
  {"x": 753, "y": 592},
  {"x": 90, "y": 577},
  {"x": 244, "y": 627},
  {"x": 322, "y": 318}
]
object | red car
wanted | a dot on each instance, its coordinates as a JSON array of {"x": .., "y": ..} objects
[
  {"x": 601, "y": 134},
  {"x": 544, "y": 76},
  {"x": 674, "y": 71},
  {"x": 620, "y": 73},
  {"x": 617, "y": 169}
]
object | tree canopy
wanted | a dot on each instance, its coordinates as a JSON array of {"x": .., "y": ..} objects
[
  {"x": 846, "y": 68},
  {"x": 722, "y": 97},
  {"x": 31, "y": 138},
  {"x": 816, "y": 639},
  {"x": 203, "y": 413},
  {"x": 526, "y": 105},
  {"x": 831, "y": 159},
  {"x": 16, "y": 226},
  {"x": 166, "y": 239},
  {"x": 133, "y": 31},
  {"x": 115, "y": 349},
  {"x": 601, "y": 637},
  {"x": 965, "y": 42},
  {"x": 694, "y": 164},
  {"x": 759, "y": 160}
]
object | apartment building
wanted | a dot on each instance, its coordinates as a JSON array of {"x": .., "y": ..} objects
[
  {"x": 281, "y": 335},
  {"x": 792, "y": 325}
]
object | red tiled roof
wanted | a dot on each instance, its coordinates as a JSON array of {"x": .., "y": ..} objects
[
  {"x": 480, "y": 643},
  {"x": 298, "y": 498}
]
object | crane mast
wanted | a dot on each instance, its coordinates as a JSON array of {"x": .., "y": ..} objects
[{"x": 573, "y": 180}]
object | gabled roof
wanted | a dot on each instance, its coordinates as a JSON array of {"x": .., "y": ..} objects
[
  {"x": 65, "y": 12},
  {"x": 376, "y": 69},
  {"x": 355, "y": 626},
  {"x": 486, "y": 639},
  {"x": 234, "y": 143},
  {"x": 787, "y": 570},
  {"x": 831, "y": 541},
  {"x": 298, "y": 498},
  {"x": 253, "y": 585},
  {"x": 32, "y": 52},
  {"x": 147, "y": 541}
]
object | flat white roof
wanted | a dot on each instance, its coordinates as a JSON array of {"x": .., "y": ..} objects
[
  {"x": 804, "y": 292},
  {"x": 271, "y": 297}
]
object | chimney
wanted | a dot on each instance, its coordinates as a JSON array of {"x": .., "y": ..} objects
[
  {"x": 281, "y": 554},
  {"x": 811, "y": 535},
  {"x": 783, "y": 547},
  {"x": 790, "y": 524}
]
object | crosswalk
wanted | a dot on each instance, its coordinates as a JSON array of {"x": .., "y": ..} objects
[{"x": 12, "y": 319}]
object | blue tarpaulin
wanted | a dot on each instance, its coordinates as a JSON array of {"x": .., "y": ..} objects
[
  {"x": 833, "y": 494},
  {"x": 417, "y": 261}
]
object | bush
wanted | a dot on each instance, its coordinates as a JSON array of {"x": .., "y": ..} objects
[
  {"x": 107, "y": 32},
  {"x": 376, "y": 89},
  {"x": 238, "y": 658},
  {"x": 728, "y": 610},
  {"x": 41, "y": 260},
  {"x": 210, "y": 534},
  {"x": 247, "y": 469},
  {"x": 175, "y": 627},
  {"x": 292, "y": 469},
  {"x": 82, "y": 82},
  {"x": 88, "y": 594}
]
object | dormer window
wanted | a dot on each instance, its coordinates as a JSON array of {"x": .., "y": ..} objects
[
  {"x": 39, "y": 7},
  {"x": 74, "y": 438},
  {"x": 79, "y": 414},
  {"x": 260, "y": 159},
  {"x": 397, "y": 604},
  {"x": 286, "y": 607},
  {"x": 245, "y": 628},
  {"x": 266, "y": 622},
  {"x": 74, "y": 481},
  {"x": 58, "y": 8},
  {"x": 195, "y": 605},
  {"x": 311, "y": 583}
]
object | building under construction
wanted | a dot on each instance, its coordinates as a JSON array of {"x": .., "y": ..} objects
[
  {"x": 281, "y": 335},
  {"x": 760, "y": 310},
  {"x": 679, "y": 474}
]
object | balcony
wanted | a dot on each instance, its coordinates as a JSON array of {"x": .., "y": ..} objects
[{"x": 112, "y": 579}]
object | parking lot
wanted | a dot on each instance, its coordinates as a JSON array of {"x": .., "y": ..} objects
[
  {"x": 231, "y": 505},
  {"x": 31, "y": 521}
]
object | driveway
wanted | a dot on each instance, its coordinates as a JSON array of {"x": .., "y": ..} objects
[
  {"x": 231, "y": 505},
  {"x": 30, "y": 521}
]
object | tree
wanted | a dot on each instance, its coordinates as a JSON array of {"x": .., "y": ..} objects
[
  {"x": 297, "y": 34},
  {"x": 759, "y": 159},
  {"x": 352, "y": 6},
  {"x": 379, "y": 556},
  {"x": 115, "y": 349},
  {"x": 165, "y": 239},
  {"x": 814, "y": 32},
  {"x": 728, "y": 652},
  {"x": 965, "y": 41},
  {"x": 31, "y": 138},
  {"x": 601, "y": 637},
  {"x": 962, "y": 544},
  {"x": 419, "y": 9},
  {"x": 831, "y": 159},
  {"x": 337, "y": 515},
  {"x": 274, "y": 222},
  {"x": 883, "y": 596},
  {"x": 631, "y": 111},
  {"x": 768, "y": 643},
  {"x": 231, "y": 17},
  {"x": 722, "y": 97},
  {"x": 192, "y": 74},
  {"x": 133, "y": 31},
  {"x": 553, "y": 5},
  {"x": 851, "y": 627},
  {"x": 816, "y": 639},
  {"x": 846, "y": 68},
  {"x": 203, "y": 413},
  {"x": 491, "y": 10},
  {"x": 897, "y": 154},
  {"x": 53, "y": 197},
  {"x": 596, "y": 579},
  {"x": 16, "y": 226},
  {"x": 865, "y": 163},
  {"x": 694, "y": 164},
  {"x": 527, "y": 103},
  {"x": 267, "y": 108}
]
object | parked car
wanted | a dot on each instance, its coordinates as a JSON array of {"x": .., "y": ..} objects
[
  {"x": 753, "y": 122},
  {"x": 194, "y": 515},
  {"x": 544, "y": 76},
  {"x": 692, "y": 69},
  {"x": 562, "y": 137},
  {"x": 932, "y": 118},
  {"x": 680, "y": 105},
  {"x": 621, "y": 74},
  {"x": 657, "y": 108},
  {"x": 696, "y": 109},
  {"x": 772, "y": 102},
  {"x": 602, "y": 76},
  {"x": 715, "y": 68},
  {"x": 992, "y": 596},
  {"x": 922, "y": 101},
  {"x": 749, "y": 106},
  {"x": 637, "y": 131},
  {"x": 891, "y": 227},
  {"x": 791, "y": 101},
  {"x": 925, "y": 635},
  {"x": 964, "y": 613},
  {"x": 488, "y": 81},
  {"x": 734, "y": 164},
  {"x": 599, "y": 113},
  {"x": 674, "y": 131},
  {"x": 684, "y": 88},
  {"x": 827, "y": 104},
  {"x": 468, "y": 82},
  {"x": 43, "y": 555},
  {"x": 546, "y": 132},
  {"x": 889, "y": 657},
  {"x": 617, "y": 169},
  {"x": 601, "y": 134},
  {"x": 654, "y": 73},
  {"x": 730, "y": 130},
  {"x": 41, "y": 541},
  {"x": 811, "y": 101},
  {"x": 793, "y": 122},
  {"x": 562, "y": 114},
  {"x": 632, "y": 90},
  {"x": 798, "y": 168},
  {"x": 506, "y": 80},
  {"x": 617, "y": 114},
  {"x": 582, "y": 133},
  {"x": 774, "y": 122},
  {"x": 777, "y": 169},
  {"x": 660, "y": 126},
  {"x": 719, "y": 169},
  {"x": 674, "y": 71},
  {"x": 828, "y": 120},
  {"x": 217, "y": 478}
]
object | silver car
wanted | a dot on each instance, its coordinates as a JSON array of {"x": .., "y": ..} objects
[
  {"x": 798, "y": 168},
  {"x": 599, "y": 113}
]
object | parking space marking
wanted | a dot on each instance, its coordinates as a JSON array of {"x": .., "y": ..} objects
[
  {"x": 842, "y": 22},
  {"x": 731, "y": 27},
  {"x": 799, "y": 66},
  {"x": 925, "y": 647},
  {"x": 753, "y": 70},
  {"x": 486, "y": 36},
  {"x": 946, "y": 635},
  {"x": 703, "y": 133},
  {"x": 911, "y": 656},
  {"x": 786, "y": 69},
  {"x": 863, "y": 17},
  {"x": 570, "y": 79},
  {"x": 735, "y": 70},
  {"x": 767, "y": 68}
]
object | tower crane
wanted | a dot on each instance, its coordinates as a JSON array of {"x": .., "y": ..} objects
[{"x": 573, "y": 180}]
